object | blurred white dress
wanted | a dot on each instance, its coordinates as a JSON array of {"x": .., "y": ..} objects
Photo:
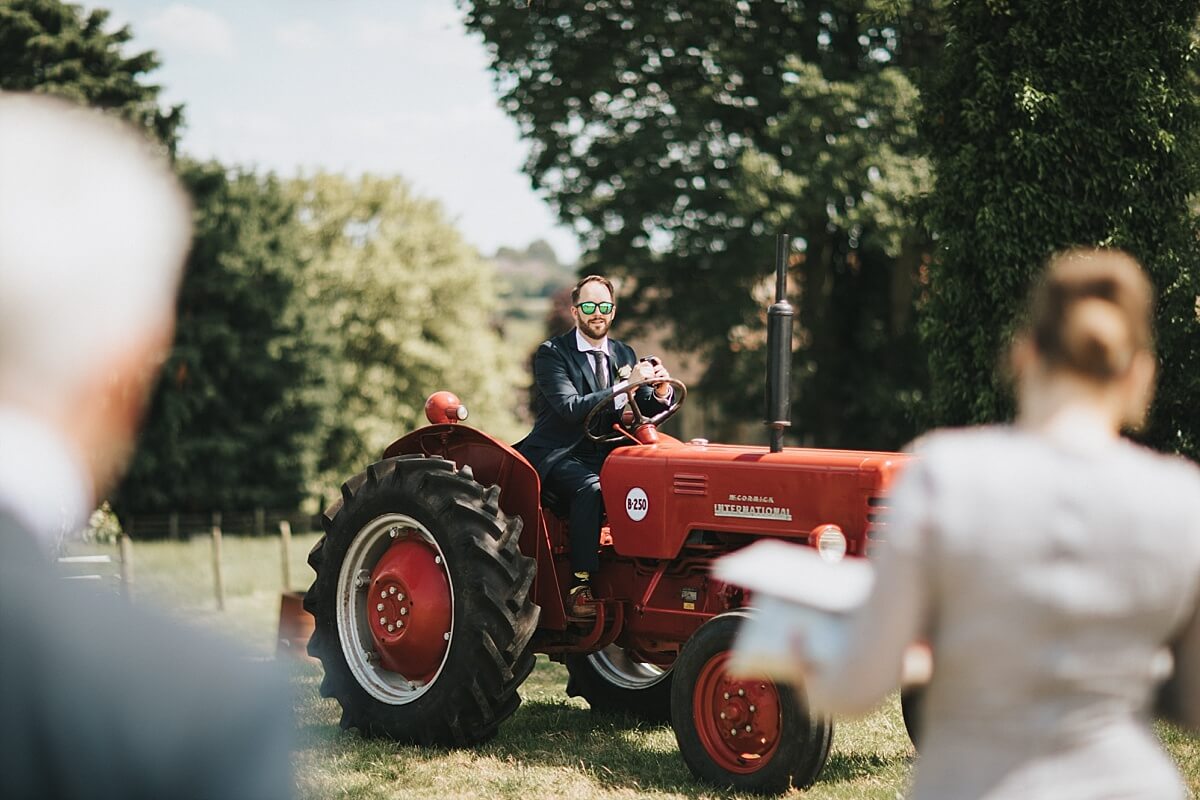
[{"x": 1048, "y": 573}]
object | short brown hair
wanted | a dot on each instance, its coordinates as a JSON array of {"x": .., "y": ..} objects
[
  {"x": 592, "y": 279},
  {"x": 1091, "y": 312}
]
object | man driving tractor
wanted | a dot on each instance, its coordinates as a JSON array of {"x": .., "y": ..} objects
[{"x": 574, "y": 372}]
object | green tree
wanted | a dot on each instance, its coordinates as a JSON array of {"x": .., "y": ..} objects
[
  {"x": 59, "y": 48},
  {"x": 401, "y": 307},
  {"x": 230, "y": 420},
  {"x": 230, "y": 417},
  {"x": 847, "y": 173},
  {"x": 676, "y": 137},
  {"x": 1053, "y": 124}
]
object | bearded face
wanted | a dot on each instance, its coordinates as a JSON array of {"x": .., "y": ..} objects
[{"x": 593, "y": 326}]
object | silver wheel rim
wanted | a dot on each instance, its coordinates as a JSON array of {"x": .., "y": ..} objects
[
  {"x": 619, "y": 669},
  {"x": 354, "y": 631}
]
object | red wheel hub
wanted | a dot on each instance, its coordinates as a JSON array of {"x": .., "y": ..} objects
[
  {"x": 738, "y": 720},
  {"x": 410, "y": 608}
]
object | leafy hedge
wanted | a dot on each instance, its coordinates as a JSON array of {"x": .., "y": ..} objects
[{"x": 1054, "y": 123}]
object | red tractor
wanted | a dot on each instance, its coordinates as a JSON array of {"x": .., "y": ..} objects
[{"x": 443, "y": 567}]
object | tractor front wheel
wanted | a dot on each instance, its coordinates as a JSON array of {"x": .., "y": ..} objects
[
  {"x": 744, "y": 734},
  {"x": 422, "y": 606}
]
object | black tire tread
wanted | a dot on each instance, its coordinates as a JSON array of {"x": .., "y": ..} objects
[
  {"x": 651, "y": 704},
  {"x": 495, "y": 617}
]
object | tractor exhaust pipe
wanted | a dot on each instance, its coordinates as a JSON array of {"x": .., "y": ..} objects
[{"x": 779, "y": 350}]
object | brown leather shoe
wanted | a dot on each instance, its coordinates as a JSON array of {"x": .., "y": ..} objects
[{"x": 580, "y": 602}]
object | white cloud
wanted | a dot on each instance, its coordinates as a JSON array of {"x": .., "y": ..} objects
[
  {"x": 430, "y": 40},
  {"x": 440, "y": 18},
  {"x": 300, "y": 34},
  {"x": 377, "y": 33},
  {"x": 189, "y": 29},
  {"x": 435, "y": 23}
]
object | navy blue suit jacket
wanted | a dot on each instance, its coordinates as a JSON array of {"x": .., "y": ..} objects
[
  {"x": 565, "y": 391},
  {"x": 102, "y": 700}
]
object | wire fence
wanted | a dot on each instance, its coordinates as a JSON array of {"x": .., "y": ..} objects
[
  {"x": 115, "y": 568},
  {"x": 258, "y": 522}
]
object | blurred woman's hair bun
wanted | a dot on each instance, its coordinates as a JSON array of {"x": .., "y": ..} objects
[{"x": 1091, "y": 312}]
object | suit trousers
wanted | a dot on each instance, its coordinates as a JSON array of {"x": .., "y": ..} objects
[{"x": 576, "y": 478}]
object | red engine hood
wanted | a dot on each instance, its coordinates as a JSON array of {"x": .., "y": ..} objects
[{"x": 655, "y": 495}]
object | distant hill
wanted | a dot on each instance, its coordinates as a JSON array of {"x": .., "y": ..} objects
[
  {"x": 531, "y": 279},
  {"x": 534, "y": 272}
]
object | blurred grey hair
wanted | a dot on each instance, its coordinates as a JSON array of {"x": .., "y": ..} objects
[{"x": 94, "y": 229}]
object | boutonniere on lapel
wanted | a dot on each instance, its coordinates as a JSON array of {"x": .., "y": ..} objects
[{"x": 624, "y": 372}]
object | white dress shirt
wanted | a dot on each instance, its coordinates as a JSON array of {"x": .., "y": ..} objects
[
  {"x": 42, "y": 482},
  {"x": 619, "y": 398}
]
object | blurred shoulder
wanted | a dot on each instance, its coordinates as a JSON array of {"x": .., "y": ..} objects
[
  {"x": 952, "y": 444},
  {"x": 1172, "y": 475},
  {"x": 951, "y": 462}
]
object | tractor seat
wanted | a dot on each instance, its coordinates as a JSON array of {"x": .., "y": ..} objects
[
  {"x": 558, "y": 507},
  {"x": 555, "y": 504}
]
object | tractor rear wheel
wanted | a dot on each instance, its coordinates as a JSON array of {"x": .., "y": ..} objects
[
  {"x": 744, "y": 734},
  {"x": 611, "y": 680},
  {"x": 422, "y": 606}
]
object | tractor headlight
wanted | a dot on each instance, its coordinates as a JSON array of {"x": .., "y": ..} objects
[{"x": 829, "y": 541}]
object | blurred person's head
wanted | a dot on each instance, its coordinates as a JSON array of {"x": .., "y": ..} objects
[
  {"x": 94, "y": 229},
  {"x": 1089, "y": 338}
]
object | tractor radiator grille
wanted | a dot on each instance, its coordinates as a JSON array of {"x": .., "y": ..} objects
[
  {"x": 691, "y": 484},
  {"x": 877, "y": 510}
]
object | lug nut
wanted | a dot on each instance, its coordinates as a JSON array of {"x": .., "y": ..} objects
[
  {"x": 763, "y": 740},
  {"x": 753, "y": 709},
  {"x": 727, "y": 695},
  {"x": 394, "y": 532},
  {"x": 379, "y": 607},
  {"x": 733, "y": 731},
  {"x": 437, "y": 559},
  {"x": 748, "y": 729},
  {"x": 383, "y": 620},
  {"x": 392, "y": 590},
  {"x": 391, "y": 628},
  {"x": 400, "y": 596},
  {"x": 404, "y": 611},
  {"x": 446, "y": 636},
  {"x": 741, "y": 692},
  {"x": 383, "y": 594},
  {"x": 722, "y": 715},
  {"x": 399, "y": 623}
]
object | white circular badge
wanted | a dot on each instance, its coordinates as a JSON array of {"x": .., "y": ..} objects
[{"x": 637, "y": 504}]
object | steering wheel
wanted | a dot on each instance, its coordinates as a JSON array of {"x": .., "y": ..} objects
[{"x": 639, "y": 419}]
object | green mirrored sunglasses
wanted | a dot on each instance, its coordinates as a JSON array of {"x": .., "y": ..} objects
[{"x": 588, "y": 307}]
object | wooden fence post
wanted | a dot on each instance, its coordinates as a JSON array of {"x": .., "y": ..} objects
[
  {"x": 285, "y": 543},
  {"x": 218, "y": 577},
  {"x": 126, "y": 546}
]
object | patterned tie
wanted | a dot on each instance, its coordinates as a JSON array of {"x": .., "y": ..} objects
[{"x": 600, "y": 367}]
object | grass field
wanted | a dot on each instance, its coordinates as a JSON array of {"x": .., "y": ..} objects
[{"x": 552, "y": 747}]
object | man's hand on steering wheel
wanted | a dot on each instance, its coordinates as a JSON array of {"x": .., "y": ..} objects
[
  {"x": 653, "y": 371},
  {"x": 623, "y": 430}
]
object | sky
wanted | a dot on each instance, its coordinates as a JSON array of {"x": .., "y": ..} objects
[{"x": 381, "y": 86}]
